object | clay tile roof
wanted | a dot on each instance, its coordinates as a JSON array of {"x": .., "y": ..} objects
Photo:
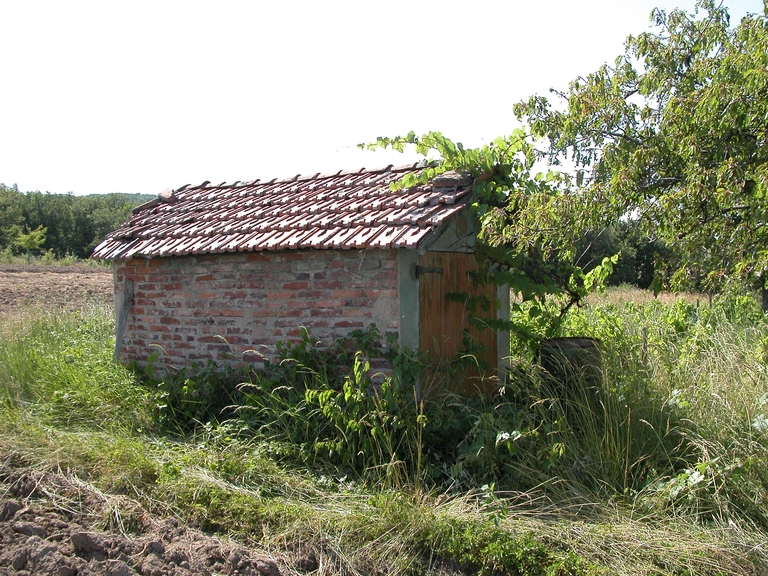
[{"x": 342, "y": 210}]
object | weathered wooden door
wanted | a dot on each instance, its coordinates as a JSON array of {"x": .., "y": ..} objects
[{"x": 444, "y": 328}]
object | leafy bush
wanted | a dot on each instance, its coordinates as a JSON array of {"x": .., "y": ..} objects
[
  {"x": 328, "y": 405},
  {"x": 193, "y": 396}
]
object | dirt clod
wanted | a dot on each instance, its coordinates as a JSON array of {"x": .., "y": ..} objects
[
  {"x": 9, "y": 509},
  {"x": 33, "y": 541},
  {"x": 30, "y": 529}
]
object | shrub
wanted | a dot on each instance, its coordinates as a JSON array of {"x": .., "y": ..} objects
[{"x": 193, "y": 396}]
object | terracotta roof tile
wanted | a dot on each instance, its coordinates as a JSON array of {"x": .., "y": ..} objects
[
  {"x": 183, "y": 246},
  {"x": 362, "y": 239},
  {"x": 340, "y": 239},
  {"x": 257, "y": 241},
  {"x": 347, "y": 210},
  {"x": 387, "y": 237},
  {"x": 319, "y": 238},
  {"x": 412, "y": 236}
]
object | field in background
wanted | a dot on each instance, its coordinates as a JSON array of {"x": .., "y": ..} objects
[
  {"x": 625, "y": 293},
  {"x": 53, "y": 287}
]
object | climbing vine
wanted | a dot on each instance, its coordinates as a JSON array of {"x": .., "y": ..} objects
[{"x": 527, "y": 225}]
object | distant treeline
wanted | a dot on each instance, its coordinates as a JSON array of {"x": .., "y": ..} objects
[{"x": 74, "y": 224}]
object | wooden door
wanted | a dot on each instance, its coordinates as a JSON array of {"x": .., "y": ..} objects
[{"x": 445, "y": 332}]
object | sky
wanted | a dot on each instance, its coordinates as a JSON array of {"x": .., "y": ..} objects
[{"x": 141, "y": 96}]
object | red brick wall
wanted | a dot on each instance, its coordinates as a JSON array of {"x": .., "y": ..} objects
[{"x": 225, "y": 307}]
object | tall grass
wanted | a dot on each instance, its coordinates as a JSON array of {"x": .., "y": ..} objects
[
  {"x": 49, "y": 258},
  {"x": 701, "y": 373},
  {"x": 59, "y": 368},
  {"x": 660, "y": 470}
]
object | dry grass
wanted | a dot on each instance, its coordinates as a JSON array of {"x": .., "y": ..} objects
[{"x": 620, "y": 295}]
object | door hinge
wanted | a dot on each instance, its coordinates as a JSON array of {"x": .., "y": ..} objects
[{"x": 427, "y": 270}]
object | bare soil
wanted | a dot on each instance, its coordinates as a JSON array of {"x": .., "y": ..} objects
[
  {"x": 53, "y": 287},
  {"x": 53, "y": 524}
]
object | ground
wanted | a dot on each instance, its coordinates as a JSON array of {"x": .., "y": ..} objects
[
  {"x": 53, "y": 287},
  {"x": 54, "y": 524}
]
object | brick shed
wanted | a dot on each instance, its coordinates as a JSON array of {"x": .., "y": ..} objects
[{"x": 223, "y": 272}]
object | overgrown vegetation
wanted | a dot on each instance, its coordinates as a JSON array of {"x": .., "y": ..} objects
[{"x": 661, "y": 469}]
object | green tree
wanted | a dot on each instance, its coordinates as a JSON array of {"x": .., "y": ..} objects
[
  {"x": 106, "y": 212},
  {"x": 639, "y": 254},
  {"x": 32, "y": 240},
  {"x": 53, "y": 212},
  {"x": 674, "y": 134},
  {"x": 75, "y": 224},
  {"x": 10, "y": 214}
]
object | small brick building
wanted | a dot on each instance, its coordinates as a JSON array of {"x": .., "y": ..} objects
[{"x": 223, "y": 272}]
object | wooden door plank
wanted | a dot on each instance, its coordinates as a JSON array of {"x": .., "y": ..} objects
[{"x": 444, "y": 325}]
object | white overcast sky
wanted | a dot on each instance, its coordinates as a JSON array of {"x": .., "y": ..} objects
[{"x": 140, "y": 96}]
